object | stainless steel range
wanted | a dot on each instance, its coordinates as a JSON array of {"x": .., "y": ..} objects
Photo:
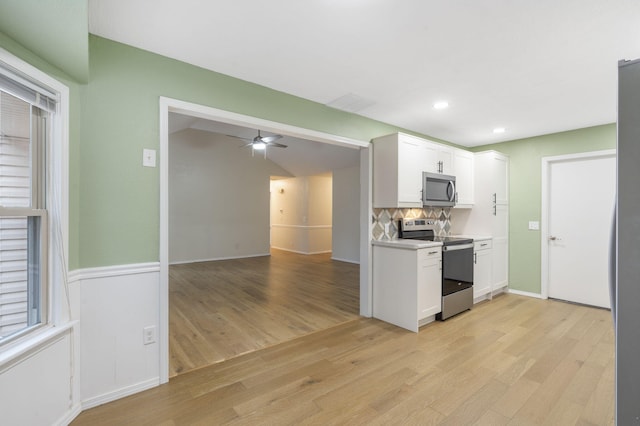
[{"x": 457, "y": 265}]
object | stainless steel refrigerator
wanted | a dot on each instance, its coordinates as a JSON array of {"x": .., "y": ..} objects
[{"x": 626, "y": 245}]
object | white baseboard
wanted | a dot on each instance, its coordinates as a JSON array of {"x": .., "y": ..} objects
[
  {"x": 524, "y": 293},
  {"x": 213, "y": 259},
  {"x": 302, "y": 252},
  {"x": 357, "y": 262},
  {"x": 120, "y": 393},
  {"x": 69, "y": 416}
]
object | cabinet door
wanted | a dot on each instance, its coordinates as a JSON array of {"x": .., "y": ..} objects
[
  {"x": 445, "y": 156},
  {"x": 463, "y": 171},
  {"x": 429, "y": 283},
  {"x": 501, "y": 178},
  {"x": 500, "y": 221},
  {"x": 431, "y": 161},
  {"x": 482, "y": 266},
  {"x": 500, "y": 234},
  {"x": 410, "y": 163},
  {"x": 500, "y": 270}
]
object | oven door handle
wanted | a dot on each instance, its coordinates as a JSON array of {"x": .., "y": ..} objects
[{"x": 458, "y": 247}]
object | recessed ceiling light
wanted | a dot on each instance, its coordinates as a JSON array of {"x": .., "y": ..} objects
[
  {"x": 499, "y": 130},
  {"x": 441, "y": 105}
]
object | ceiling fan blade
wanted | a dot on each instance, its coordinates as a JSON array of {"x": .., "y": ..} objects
[
  {"x": 238, "y": 137},
  {"x": 268, "y": 139},
  {"x": 277, "y": 145}
]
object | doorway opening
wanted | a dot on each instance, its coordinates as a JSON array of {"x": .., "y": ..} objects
[{"x": 233, "y": 250}]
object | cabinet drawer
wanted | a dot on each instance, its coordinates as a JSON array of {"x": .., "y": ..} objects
[
  {"x": 482, "y": 245},
  {"x": 430, "y": 253}
]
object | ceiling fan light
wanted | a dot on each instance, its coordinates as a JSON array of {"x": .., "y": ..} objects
[{"x": 259, "y": 146}]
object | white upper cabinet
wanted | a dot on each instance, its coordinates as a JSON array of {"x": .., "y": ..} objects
[
  {"x": 463, "y": 165},
  {"x": 398, "y": 163},
  {"x": 501, "y": 178},
  {"x": 439, "y": 158}
]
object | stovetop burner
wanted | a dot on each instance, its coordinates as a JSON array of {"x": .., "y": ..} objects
[{"x": 423, "y": 229}]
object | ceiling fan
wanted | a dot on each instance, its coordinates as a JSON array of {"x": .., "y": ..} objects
[{"x": 260, "y": 143}]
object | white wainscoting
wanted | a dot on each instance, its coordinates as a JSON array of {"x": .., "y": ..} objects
[
  {"x": 301, "y": 239},
  {"x": 40, "y": 378},
  {"x": 117, "y": 302}
]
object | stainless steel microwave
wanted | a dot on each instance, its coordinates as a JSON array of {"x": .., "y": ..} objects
[{"x": 438, "y": 190}]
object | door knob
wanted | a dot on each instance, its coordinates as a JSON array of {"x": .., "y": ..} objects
[{"x": 552, "y": 238}]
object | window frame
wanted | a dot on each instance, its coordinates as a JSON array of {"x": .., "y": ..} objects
[{"x": 56, "y": 312}]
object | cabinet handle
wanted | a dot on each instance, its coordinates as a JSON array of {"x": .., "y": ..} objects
[
  {"x": 475, "y": 258},
  {"x": 433, "y": 252},
  {"x": 484, "y": 244},
  {"x": 495, "y": 211},
  {"x": 495, "y": 198}
]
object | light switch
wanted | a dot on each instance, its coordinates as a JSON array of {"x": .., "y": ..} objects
[
  {"x": 149, "y": 157},
  {"x": 534, "y": 226}
]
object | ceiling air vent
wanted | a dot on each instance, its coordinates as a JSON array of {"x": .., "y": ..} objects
[{"x": 350, "y": 103}]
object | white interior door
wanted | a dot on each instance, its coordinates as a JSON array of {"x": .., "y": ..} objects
[{"x": 581, "y": 199}]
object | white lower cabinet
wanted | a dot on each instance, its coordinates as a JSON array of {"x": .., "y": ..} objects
[
  {"x": 407, "y": 287},
  {"x": 429, "y": 282},
  {"x": 482, "y": 267}
]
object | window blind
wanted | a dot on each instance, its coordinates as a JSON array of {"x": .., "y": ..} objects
[{"x": 20, "y": 86}]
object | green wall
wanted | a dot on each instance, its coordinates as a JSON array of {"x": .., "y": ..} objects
[
  {"x": 75, "y": 126},
  {"x": 55, "y": 30},
  {"x": 114, "y": 201},
  {"x": 525, "y": 193},
  {"x": 119, "y": 199}
]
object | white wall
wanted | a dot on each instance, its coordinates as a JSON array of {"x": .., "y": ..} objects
[
  {"x": 301, "y": 214},
  {"x": 218, "y": 198},
  {"x": 346, "y": 214}
]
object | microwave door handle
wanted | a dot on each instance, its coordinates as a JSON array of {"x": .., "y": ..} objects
[{"x": 451, "y": 185}]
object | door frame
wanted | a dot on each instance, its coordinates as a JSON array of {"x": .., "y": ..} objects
[
  {"x": 168, "y": 105},
  {"x": 547, "y": 162}
]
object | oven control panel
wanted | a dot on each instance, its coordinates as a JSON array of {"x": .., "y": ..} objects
[{"x": 417, "y": 224}]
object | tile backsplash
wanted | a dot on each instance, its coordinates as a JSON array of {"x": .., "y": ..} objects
[{"x": 385, "y": 221}]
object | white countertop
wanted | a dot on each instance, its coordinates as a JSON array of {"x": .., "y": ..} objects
[
  {"x": 406, "y": 244},
  {"x": 419, "y": 244}
]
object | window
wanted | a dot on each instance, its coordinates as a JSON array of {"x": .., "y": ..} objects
[{"x": 25, "y": 114}]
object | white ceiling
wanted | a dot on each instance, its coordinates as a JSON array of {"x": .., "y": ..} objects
[
  {"x": 301, "y": 157},
  {"x": 533, "y": 67}
]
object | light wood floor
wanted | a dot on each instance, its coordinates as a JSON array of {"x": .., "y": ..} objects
[
  {"x": 510, "y": 361},
  {"x": 219, "y": 310}
]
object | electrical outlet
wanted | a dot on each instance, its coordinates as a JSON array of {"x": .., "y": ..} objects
[{"x": 149, "y": 335}]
